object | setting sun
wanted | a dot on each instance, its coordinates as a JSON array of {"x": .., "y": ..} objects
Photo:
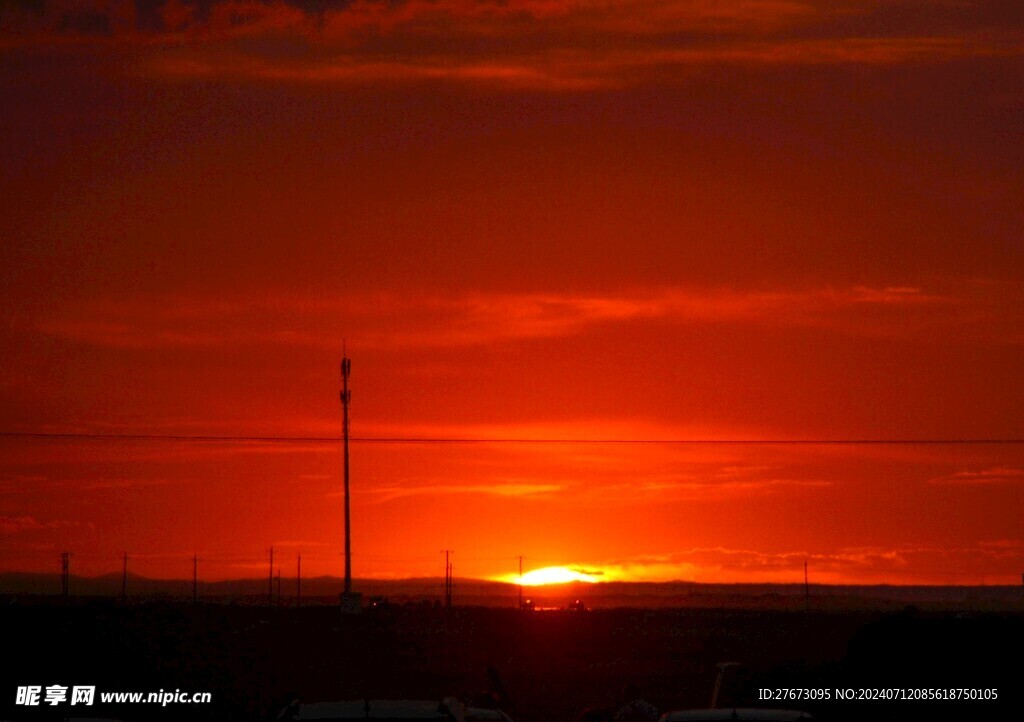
[{"x": 554, "y": 575}]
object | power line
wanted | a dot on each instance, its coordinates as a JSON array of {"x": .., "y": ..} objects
[{"x": 498, "y": 440}]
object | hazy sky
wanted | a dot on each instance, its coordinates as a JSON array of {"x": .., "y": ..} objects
[{"x": 529, "y": 219}]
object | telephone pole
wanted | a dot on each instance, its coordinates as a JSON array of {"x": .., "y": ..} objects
[
  {"x": 270, "y": 578},
  {"x": 520, "y": 581},
  {"x": 65, "y": 573},
  {"x": 447, "y": 578},
  {"x": 346, "y": 396},
  {"x": 807, "y": 591}
]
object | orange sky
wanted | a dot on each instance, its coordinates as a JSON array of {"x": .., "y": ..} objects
[{"x": 530, "y": 219}]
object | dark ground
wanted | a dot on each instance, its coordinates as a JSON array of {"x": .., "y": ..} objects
[{"x": 554, "y": 664}]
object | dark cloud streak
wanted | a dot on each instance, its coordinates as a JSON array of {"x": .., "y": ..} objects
[{"x": 521, "y": 44}]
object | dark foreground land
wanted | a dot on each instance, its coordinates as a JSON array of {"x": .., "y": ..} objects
[{"x": 553, "y": 664}]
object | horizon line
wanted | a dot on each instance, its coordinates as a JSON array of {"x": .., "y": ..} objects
[
  {"x": 85, "y": 436},
  {"x": 498, "y": 582}
]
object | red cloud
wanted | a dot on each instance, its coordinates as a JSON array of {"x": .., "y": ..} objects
[{"x": 997, "y": 475}]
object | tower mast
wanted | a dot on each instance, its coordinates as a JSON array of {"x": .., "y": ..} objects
[{"x": 346, "y": 395}]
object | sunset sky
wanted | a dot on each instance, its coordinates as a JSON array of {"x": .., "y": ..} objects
[{"x": 540, "y": 227}]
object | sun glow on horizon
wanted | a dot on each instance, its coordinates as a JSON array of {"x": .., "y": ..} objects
[{"x": 555, "y": 575}]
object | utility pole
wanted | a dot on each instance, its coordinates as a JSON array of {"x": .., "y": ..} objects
[
  {"x": 65, "y": 573},
  {"x": 270, "y": 578},
  {"x": 298, "y": 582},
  {"x": 447, "y": 578},
  {"x": 520, "y": 581},
  {"x": 124, "y": 579},
  {"x": 346, "y": 397},
  {"x": 279, "y": 586},
  {"x": 195, "y": 578},
  {"x": 807, "y": 591}
]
